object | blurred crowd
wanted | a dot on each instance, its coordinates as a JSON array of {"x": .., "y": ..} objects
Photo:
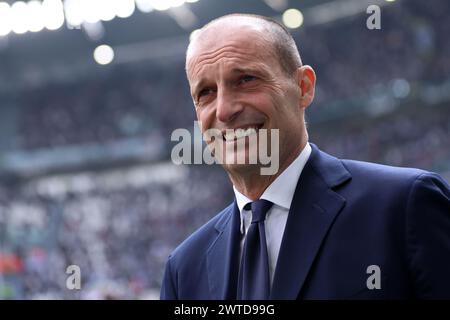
[
  {"x": 350, "y": 62},
  {"x": 408, "y": 139},
  {"x": 120, "y": 103},
  {"x": 119, "y": 233}
]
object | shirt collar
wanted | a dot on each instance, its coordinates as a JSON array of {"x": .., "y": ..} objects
[{"x": 281, "y": 191}]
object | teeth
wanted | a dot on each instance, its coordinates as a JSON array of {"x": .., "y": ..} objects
[
  {"x": 249, "y": 132},
  {"x": 239, "y": 133},
  {"x": 231, "y": 135}
]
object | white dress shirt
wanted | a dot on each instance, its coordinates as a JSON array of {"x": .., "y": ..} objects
[{"x": 280, "y": 192}]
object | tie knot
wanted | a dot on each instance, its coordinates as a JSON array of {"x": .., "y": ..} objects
[{"x": 259, "y": 209}]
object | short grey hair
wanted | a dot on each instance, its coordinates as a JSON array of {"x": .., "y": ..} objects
[{"x": 282, "y": 41}]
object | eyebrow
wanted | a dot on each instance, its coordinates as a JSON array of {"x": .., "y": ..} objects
[{"x": 245, "y": 70}]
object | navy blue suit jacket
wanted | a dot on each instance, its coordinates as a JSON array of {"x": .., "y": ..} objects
[{"x": 345, "y": 216}]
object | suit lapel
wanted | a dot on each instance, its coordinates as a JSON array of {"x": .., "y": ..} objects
[
  {"x": 314, "y": 208},
  {"x": 223, "y": 256}
]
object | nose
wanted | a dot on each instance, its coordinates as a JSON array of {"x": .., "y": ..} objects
[{"x": 227, "y": 107}]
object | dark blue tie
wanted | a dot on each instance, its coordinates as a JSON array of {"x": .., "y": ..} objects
[{"x": 254, "y": 279}]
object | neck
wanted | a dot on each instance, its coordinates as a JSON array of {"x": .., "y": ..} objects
[{"x": 252, "y": 184}]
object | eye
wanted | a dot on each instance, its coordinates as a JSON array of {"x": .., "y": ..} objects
[
  {"x": 205, "y": 92},
  {"x": 203, "y": 96},
  {"x": 246, "y": 78}
]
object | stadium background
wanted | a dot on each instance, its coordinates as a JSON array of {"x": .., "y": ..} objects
[{"x": 85, "y": 170}]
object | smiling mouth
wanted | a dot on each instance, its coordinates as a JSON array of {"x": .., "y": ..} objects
[{"x": 230, "y": 135}]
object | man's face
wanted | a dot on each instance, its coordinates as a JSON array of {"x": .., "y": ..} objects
[{"x": 237, "y": 82}]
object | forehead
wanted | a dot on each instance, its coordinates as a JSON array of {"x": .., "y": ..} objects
[{"x": 239, "y": 45}]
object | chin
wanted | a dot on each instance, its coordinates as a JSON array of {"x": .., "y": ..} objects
[
  {"x": 244, "y": 165},
  {"x": 241, "y": 169}
]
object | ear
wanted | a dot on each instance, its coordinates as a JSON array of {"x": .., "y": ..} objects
[{"x": 307, "y": 84}]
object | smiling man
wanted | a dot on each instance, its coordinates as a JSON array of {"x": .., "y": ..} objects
[{"x": 317, "y": 228}]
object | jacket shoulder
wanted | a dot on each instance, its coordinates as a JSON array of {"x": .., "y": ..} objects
[
  {"x": 382, "y": 173},
  {"x": 201, "y": 239}
]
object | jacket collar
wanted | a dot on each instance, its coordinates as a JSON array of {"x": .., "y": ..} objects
[
  {"x": 314, "y": 208},
  {"x": 222, "y": 258}
]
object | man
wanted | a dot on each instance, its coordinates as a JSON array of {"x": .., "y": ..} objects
[{"x": 320, "y": 227}]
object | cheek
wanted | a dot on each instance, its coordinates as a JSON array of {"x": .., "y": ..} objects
[
  {"x": 283, "y": 114},
  {"x": 265, "y": 102},
  {"x": 204, "y": 119}
]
